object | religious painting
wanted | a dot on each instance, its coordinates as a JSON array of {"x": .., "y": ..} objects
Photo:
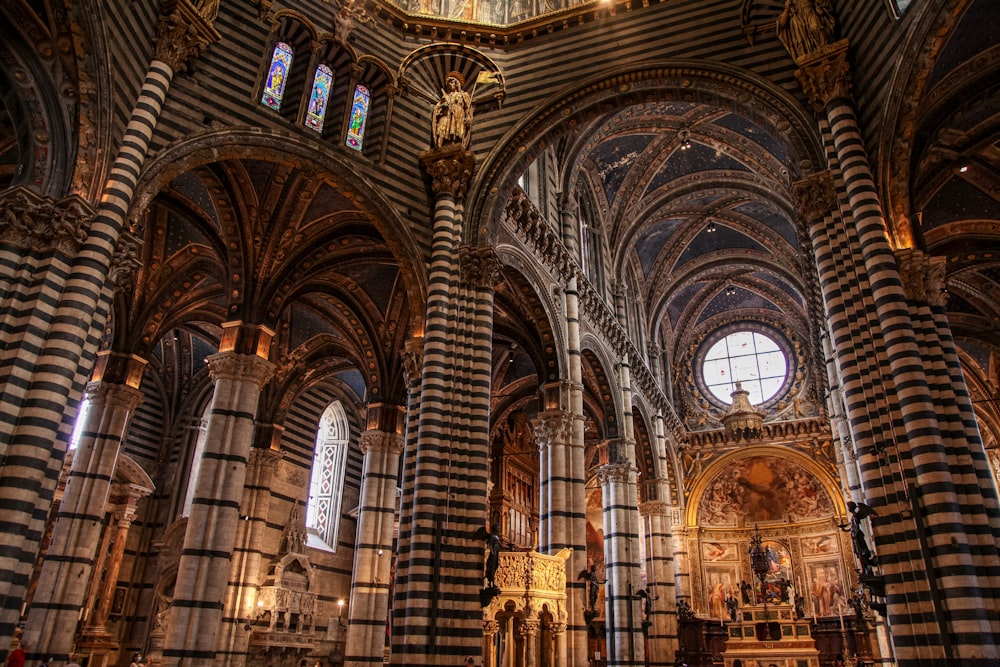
[
  {"x": 819, "y": 545},
  {"x": 826, "y": 588},
  {"x": 761, "y": 489},
  {"x": 721, "y": 586},
  {"x": 778, "y": 580},
  {"x": 712, "y": 552}
]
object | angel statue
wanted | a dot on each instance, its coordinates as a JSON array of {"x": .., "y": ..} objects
[
  {"x": 805, "y": 26},
  {"x": 593, "y": 584}
]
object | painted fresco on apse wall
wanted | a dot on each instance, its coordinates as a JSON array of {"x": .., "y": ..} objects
[{"x": 761, "y": 489}]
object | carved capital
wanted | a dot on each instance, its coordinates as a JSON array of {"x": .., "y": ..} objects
[
  {"x": 380, "y": 441},
  {"x": 529, "y": 628},
  {"x": 126, "y": 262},
  {"x": 480, "y": 266},
  {"x": 654, "y": 508},
  {"x": 923, "y": 277},
  {"x": 816, "y": 196},
  {"x": 240, "y": 367},
  {"x": 184, "y": 31},
  {"x": 450, "y": 169},
  {"x": 264, "y": 458},
  {"x": 30, "y": 221},
  {"x": 826, "y": 76},
  {"x": 413, "y": 361},
  {"x": 111, "y": 395},
  {"x": 551, "y": 428},
  {"x": 615, "y": 472},
  {"x": 490, "y": 628}
]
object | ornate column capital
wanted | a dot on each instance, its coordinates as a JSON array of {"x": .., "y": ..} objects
[
  {"x": 615, "y": 472},
  {"x": 184, "y": 31},
  {"x": 825, "y": 75},
  {"x": 112, "y": 395},
  {"x": 263, "y": 458},
  {"x": 552, "y": 427},
  {"x": 450, "y": 169},
  {"x": 480, "y": 266},
  {"x": 816, "y": 196},
  {"x": 233, "y": 366},
  {"x": 490, "y": 628},
  {"x": 380, "y": 441},
  {"x": 923, "y": 277},
  {"x": 126, "y": 262},
  {"x": 31, "y": 221},
  {"x": 413, "y": 360},
  {"x": 654, "y": 508},
  {"x": 529, "y": 627}
]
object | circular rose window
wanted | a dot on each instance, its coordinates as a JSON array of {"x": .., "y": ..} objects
[{"x": 751, "y": 358}]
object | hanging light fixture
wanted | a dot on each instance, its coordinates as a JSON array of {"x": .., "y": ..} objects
[
  {"x": 743, "y": 422},
  {"x": 685, "y": 138}
]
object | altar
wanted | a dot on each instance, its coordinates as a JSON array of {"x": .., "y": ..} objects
[{"x": 770, "y": 638}]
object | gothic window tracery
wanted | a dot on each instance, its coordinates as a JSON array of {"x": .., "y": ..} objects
[{"x": 326, "y": 487}]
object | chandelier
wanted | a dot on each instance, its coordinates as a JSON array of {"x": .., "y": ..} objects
[{"x": 743, "y": 422}]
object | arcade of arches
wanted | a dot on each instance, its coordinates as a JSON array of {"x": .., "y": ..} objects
[{"x": 553, "y": 334}]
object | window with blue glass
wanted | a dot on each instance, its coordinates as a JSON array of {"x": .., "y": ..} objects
[
  {"x": 359, "y": 116},
  {"x": 277, "y": 76},
  {"x": 322, "y": 83}
]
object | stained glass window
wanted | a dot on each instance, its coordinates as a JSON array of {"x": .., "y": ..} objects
[
  {"x": 326, "y": 487},
  {"x": 277, "y": 75},
  {"x": 322, "y": 82},
  {"x": 359, "y": 114}
]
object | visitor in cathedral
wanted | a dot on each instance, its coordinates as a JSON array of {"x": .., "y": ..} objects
[{"x": 16, "y": 657}]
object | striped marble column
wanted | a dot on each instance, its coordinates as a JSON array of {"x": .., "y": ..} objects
[
  {"x": 439, "y": 575},
  {"x": 69, "y": 561},
  {"x": 575, "y": 501},
  {"x": 369, "y": 604},
  {"x": 240, "y": 603},
  {"x": 941, "y": 584},
  {"x": 623, "y": 614},
  {"x": 660, "y": 587},
  {"x": 43, "y": 296},
  {"x": 202, "y": 575}
]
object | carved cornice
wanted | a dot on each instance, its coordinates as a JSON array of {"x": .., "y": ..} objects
[
  {"x": 183, "y": 32},
  {"x": 380, "y": 441},
  {"x": 240, "y": 367},
  {"x": 112, "y": 395},
  {"x": 826, "y": 75},
  {"x": 480, "y": 266},
  {"x": 30, "y": 221},
  {"x": 773, "y": 433},
  {"x": 923, "y": 277},
  {"x": 126, "y": 262},
  {"x": 450, "y": 169},
  {"x": 816, "y": 196}
]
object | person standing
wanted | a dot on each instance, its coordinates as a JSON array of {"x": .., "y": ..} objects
[
  {"x": 136, "y": 659},
  {"x": 16, "y": 657}
]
